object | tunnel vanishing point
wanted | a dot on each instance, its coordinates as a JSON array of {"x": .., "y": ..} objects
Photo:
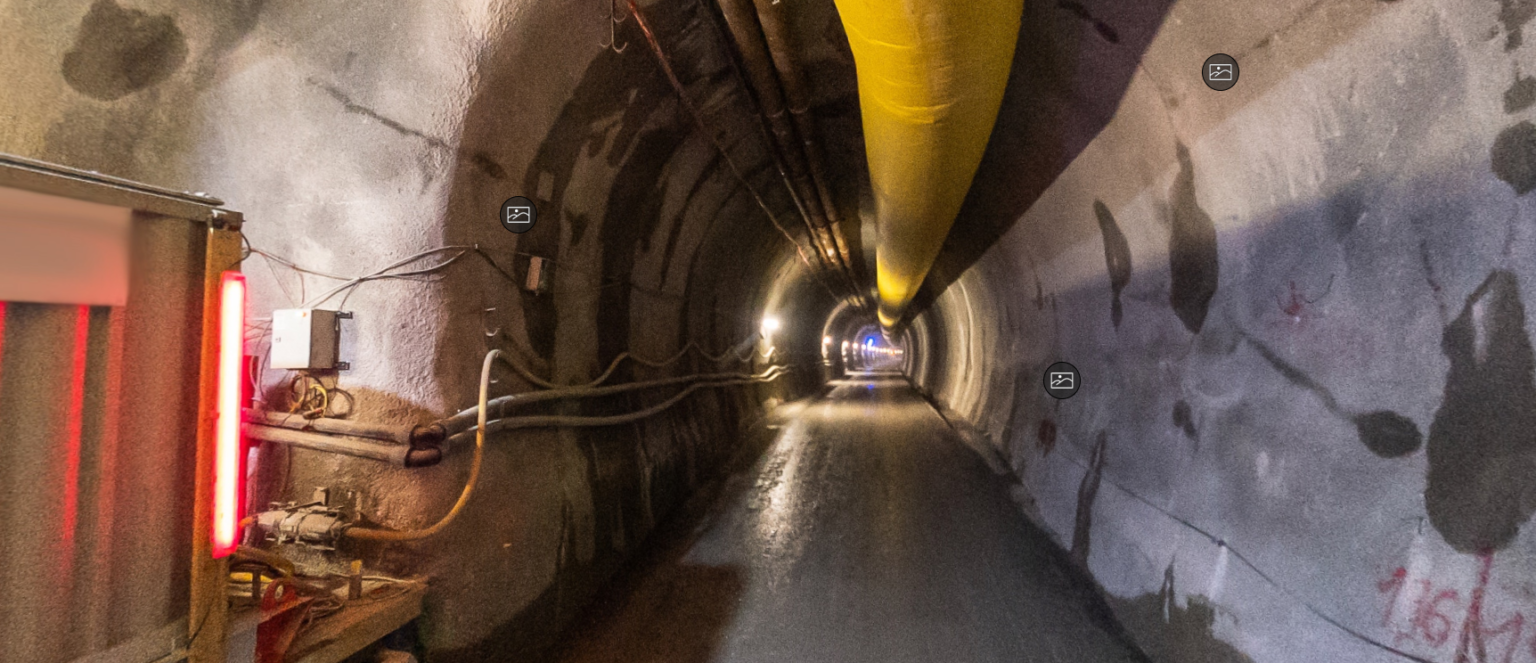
[{"x": 706, "y": 331}]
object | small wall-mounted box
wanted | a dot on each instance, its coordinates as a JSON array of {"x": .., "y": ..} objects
[
  {"x": 540, "y": 275},
  {"x": 307, "y": 338}
]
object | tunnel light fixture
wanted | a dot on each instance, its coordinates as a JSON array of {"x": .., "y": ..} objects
[
  {"x": 771, "y": 325},
  {"x": 227, "y": 436}
]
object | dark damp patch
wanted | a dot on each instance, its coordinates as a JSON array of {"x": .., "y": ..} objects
[
  {"x": 1080, "y": 11},
  {"x": 578, "y": 223},
  {"x": 246, "y": 13},
  {"x": 1345, "y": 210},
  {"x": 612, "y": 83},
  {"x": 705, "y": 176},
  {"x": 1184, "y": 419},
  {"x": 632, "y": 215},
  {"x": 1514, "y": 157},
  {"x": 1045, "y": 436},
  {"x": 1168, "y": 632},
  {"x": 1520, "y": 95},
  {"x": 1514, "y": 14},
  {"x": 1193, "y": 263},
  {"x": 119, "y": 51},
  {"x": 1117, "y": 257},
  {"x": 1481, "y": 483},
  {"x": 1385, "y": 433},
  {"x": 488, "y": 165},
  {"x": 1039, "y": 295},
  {"x": 1087, "y": 492},
  {"x": 1388, "y": 434}
]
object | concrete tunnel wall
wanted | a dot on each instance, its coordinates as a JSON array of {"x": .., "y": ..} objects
[
  {"x": 1298, "y": 305},
  {"x": 354, "y": 135},
  {"x": 1302, "y": 309}
]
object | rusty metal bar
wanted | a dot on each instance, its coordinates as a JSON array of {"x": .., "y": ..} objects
[{"x": 209, "y": 610}]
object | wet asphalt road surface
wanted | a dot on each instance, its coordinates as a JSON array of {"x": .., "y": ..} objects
[{"x": 864, "y": 531}]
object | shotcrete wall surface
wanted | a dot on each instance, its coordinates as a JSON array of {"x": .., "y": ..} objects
[
  {"x": 1302, "y": 309},
  {"x": 355, "y": 135}
]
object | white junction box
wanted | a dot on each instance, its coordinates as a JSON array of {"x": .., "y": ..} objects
[{"x": 307, "y": 338}]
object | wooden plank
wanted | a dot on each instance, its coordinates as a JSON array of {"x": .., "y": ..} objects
[{"x": 361, "y": 623}]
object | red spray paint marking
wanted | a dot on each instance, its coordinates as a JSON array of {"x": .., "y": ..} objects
[
  {"x": 1296, "y": 302},
  {"x": 1470, "y": 628},
  {"x": 1394, "y": 586},
  {"x": 1516, "y": 625},
  {"x": 1430, "y": 624},
  {"x": 1293, "y": 307},
  {"x": 1428, "y": 621}
]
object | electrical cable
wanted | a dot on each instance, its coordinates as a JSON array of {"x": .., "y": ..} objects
[
  {"x": 563, "y": 421},
  {"x": 370, "y": 534},
  {"x": 614, "y": 365},
  {"x": 567, "y": 421},
  {"x": 483, "y": 426},
  {"x": 462, "y": 422},
  {"x": 384, "y": 273}
]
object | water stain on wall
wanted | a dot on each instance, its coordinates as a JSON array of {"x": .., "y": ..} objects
[
  {"x": 119, "y": 51},
  {"x": 1345, "y": 209},
  {"x": 1481, "y": 483},
  {"x": 1117, "y": 257},
  {"x": 1173, "y": 634},
  {"x": 618, "y": 93},
  {"x": 1045, "y": 436},
  {"x": 1193, "y": 261},
  {"x": 1514, "y": 157},
  {"x": 487, "y": 164},
  {"x": 1385, "y": 433},
  {"x": 1520, "y": 95},
  {"x": 1184, "y": 418},
  {"x": 1087, "y": 492},
  {"x": 633, "y": 214},
  {"x": 1514, "y": 14}
]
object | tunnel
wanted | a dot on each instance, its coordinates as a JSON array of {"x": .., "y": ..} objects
[{"x": 1186, "y": 331}]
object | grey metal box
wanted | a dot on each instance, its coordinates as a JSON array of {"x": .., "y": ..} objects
[{"x": 306, "y": 338}]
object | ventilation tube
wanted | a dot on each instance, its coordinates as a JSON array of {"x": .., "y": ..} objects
[{"x": 931, "y": 78}]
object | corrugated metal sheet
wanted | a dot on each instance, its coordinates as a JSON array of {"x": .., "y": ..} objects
[{"x": 98, "y": 417}]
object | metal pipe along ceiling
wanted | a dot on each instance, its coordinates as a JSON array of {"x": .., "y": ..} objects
[{"x": 931, "y": 78}]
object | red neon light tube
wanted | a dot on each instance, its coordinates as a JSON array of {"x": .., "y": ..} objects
[{"x": 227, "y": 439}]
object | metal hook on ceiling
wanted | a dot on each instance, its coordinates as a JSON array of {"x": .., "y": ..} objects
[{"x": 614, "y": 19}]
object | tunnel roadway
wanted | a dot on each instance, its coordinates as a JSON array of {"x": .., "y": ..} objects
[{"x": 856, "y": 527}]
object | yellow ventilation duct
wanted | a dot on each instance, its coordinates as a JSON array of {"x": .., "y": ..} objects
[{"x": 931, "y": 78}]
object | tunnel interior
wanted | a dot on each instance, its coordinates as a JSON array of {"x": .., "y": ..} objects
[{"x": 773, "y": 358}]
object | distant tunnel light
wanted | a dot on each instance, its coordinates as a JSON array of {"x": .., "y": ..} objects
[
  {"x": 770, "y": 325},
  {"x": 227, "y": 442}
]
